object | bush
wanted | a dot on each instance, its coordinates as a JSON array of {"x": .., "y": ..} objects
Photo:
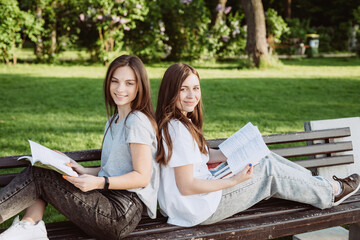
[
  {"x": 233, "y": 41},
  {"x": 186, "y": 25},
  {"x": 147, "y": 40},
  {"x": 103, "y": 23},
  {"x": 356, "y": 13},
  {"x": 14, "y": 23},
  {"x": 296, "y": 36},
  {"x": 334, "y": 38},
  {"x": 275, "y": 27},
  {"x": 325, "y": 38}
]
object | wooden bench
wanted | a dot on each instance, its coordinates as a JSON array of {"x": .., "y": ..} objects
[{"x": 266, "y": 220}]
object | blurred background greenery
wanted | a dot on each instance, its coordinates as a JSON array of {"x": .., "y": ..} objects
[{"x": 169, "y": 30}]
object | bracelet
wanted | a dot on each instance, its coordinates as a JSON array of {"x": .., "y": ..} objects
[{"x": 106, "y": 186}]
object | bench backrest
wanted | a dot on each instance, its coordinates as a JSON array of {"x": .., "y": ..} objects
[{"x": 279, "y": 143}]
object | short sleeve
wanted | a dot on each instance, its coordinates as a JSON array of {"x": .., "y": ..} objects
[
  {"x": 138, "y": 129},
  {"x": 185, "y": 149}
]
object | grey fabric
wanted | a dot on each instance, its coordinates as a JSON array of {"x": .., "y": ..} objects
[
  {"x": 276, "y": 177},
  {"x": 116, "y": 155}
]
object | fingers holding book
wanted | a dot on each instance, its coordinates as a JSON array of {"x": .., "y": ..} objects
[
  {"x": 76, "y": 167},
  {"x": 245, "y": 174},
  {"x": 73, "y": 164}
]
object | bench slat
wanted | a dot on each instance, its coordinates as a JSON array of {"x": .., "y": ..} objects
[
  {"x": 326, "y": 161},
  {"x": 6, "y": 178},
  {"x": 306, "y": 136},
  {"x": 263, "y": 210},
  {"x": 79, "y": 156},
  {"x": 314, "y": 149},
  {"x": 294, "y": 137},
  {"x": 95, "y": 154},
  {"x": 286, "y": 218},
  {"x": 308, "y": 163}
]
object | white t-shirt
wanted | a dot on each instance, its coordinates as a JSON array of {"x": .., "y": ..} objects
[
  {"x": 116, "y": 157},
  {"x": 185, "y": 210}
]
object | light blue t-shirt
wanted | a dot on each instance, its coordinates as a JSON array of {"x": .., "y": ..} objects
[{"x": 116, "y": 154}]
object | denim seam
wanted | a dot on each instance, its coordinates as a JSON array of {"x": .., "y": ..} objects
[
  {"x": 17, "y": 190},
  {"x": 243, "y": 187},
  {"x": 301, "y": 180}
]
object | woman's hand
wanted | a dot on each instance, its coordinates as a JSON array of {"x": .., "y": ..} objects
[
  {"x": 74, "y": 165},
  {"x": 86, "y": 182},
  {"x": 244, "y": 175},
  {"x": 77, "y": 167}
]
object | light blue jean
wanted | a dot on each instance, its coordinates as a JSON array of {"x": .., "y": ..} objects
[{"x": 276, "y": 177}]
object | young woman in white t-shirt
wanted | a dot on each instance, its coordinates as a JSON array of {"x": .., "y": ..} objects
[
  {"x": 189, "y": 195},
  {"x": 106, "y": 202}
]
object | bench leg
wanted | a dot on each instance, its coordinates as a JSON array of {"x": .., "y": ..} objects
[{"x": 354, "y": 231}]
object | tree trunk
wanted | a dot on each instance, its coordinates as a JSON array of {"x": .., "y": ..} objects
[
  {"x": 287, "y": 8},
  {"x": 256, "y": 46},
  {"x": 39, "y": 43},
  {"x": 53, "y": 40},
  {"x": 53, "y": 35}
]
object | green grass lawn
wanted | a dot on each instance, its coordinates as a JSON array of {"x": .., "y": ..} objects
[{"x": 61, "y": 106}]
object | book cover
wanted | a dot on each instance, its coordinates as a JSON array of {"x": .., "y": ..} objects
[{"x": 220, "y": 170}]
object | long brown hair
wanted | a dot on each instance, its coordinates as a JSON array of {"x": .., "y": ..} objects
[
  {"x": 142, "y": 101},
  {"x": 166, "y": 110}
]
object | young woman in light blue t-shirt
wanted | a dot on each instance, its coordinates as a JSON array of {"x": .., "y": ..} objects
[
  {"x": 105, "y": 202},
  {"x": 189, "y": 195}
]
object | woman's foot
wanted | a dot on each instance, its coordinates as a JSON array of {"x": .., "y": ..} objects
[
  {"x": 349, "y": 186},
  {"x": 24, "y": 230}
]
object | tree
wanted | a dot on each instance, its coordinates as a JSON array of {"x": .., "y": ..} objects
[
  {"x": 58, "y": 20},
  {"x": 104, "y": 22},
  {"x": 15, "y": 25},
  {"x": 256, "y": 46},
  {"x": 186, "y": 25},
  {"x": 287, "y": 8}
]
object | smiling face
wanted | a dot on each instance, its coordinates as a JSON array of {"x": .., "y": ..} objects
[
  {"x": 190, "y": 94},
  {"x": 123, "y": 88}
]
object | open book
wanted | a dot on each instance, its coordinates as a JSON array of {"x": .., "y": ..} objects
[
  {"x": 46, "y": 158},
  {"x": 242, "y": 148}
]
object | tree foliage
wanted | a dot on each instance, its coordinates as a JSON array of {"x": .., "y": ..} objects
[
  {"x": 172, "y": 29},
  {"x": 104, "y": 23},
  {"x": 14, "y": 26}
]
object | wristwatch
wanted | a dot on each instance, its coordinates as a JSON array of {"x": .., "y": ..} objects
[{"x": 106, "y": 186}]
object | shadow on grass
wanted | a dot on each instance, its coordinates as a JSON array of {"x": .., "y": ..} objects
[
  {"x": 238, "y": 63},
  {"x": 242, "y": 63},
  {"x": 322, "y": 61}
]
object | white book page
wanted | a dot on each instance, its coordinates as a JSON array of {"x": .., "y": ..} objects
[
  {"x": 244, "y": 147},
  {"x": 48, "y": 156},
  {"x": 29, "y": 158}
]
